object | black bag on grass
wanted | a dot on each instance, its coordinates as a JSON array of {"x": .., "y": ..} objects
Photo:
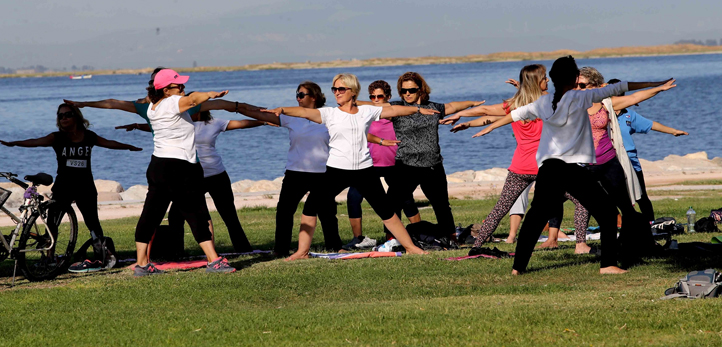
[
  {"x": 429, "y": 236},
  {"x": 103, "y": 250},
  {"x": 706, "y": 225},
  {"x": 667, "y": 225}
]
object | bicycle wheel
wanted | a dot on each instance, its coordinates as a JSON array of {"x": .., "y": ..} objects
[{"x": 40, "y": 265}]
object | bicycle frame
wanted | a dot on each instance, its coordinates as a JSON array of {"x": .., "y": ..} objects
[{"x": 29, "y": 210}]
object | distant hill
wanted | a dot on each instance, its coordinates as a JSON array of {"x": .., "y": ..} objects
[{"x": 675, "y": 49}]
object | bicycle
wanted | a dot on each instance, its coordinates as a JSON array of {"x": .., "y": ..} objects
[{"x": 39, "y": 255}]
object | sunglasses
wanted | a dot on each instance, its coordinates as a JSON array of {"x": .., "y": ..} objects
[
  {"x": 180, "y": 87},
  {"x": 301, "y": 95},
  {"x": 380, "y": 97},
  {"x": 410, "y": 91},
  {"x": 339, "y": 89},
  {"x": 584, "y": 85},
  {"x": 66, "y": 115}
]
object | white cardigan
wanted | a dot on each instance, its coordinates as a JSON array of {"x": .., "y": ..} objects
[{"x": 615, "y": 135}]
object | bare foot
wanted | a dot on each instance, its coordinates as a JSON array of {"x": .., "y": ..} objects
[
  {"x": 416, "y": 250},
  {"x": 298, "y": 255},
  {"x": 515, "y": 273},
  {"x": 343, "y": 251},
  {"x": 550, "y": 244},
  {"x": 611, "y": 270},
  {"x": 562, "y": 236},
  {"x": 582, "y": 248},
  {"x": 511, "y": 239}
]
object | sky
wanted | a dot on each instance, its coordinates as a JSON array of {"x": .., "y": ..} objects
[{"x": 176, "y": 33}]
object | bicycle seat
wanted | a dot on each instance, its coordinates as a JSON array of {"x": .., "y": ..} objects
[{"x": 42, "y": 179}]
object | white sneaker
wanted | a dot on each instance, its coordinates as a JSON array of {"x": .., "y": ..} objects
[
  {"x": 366, "y": 243},
  {"x": 388, "y": 246}
]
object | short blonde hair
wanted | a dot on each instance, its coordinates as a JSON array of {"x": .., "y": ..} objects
[
  {"x": 350, "y": 81},
  {"x": 592, "y": 75}
]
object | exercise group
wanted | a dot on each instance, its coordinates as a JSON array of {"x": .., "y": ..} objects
[{"x": 574, "y": 143}]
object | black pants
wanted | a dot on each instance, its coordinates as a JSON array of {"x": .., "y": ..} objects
[
  {"x": 556, "y": 177},
  {"x": 180, "y": 182},
  {"x": 645, "y": 205},
  {"x": 87, "y": 204},
  {"x": 355, "y": 198},
  {"x": 295, "y": 185},
  {"x": 335, "y": 181},
  {"x": 434, "y": 185},
  {"x": 219, "y": 187}
]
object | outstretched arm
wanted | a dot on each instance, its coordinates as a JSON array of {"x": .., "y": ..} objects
[
  {"x": 187, "y": 102},
  {"x": 113, "y": 104},
  {"x": 656, "y": 126},
  {"x": 135, "y": 126},
  {"x": 456, "y": 106},
  {"x": 500, "y": 123},
  {"x": 478, "y": 111},
  {"x": 110, "y": 144},
  {"x": 311, "y": 114},
  {"x": 230, "y": 106},
  {"x": 481, "y": 121},
  {"x": 622, "y": 102},
  {"x": 399, "y": 111},
  {"x": 243, "y": 124},
  {"x": 361, "y": 102},
  {"x": 46, "y": 141},
  {"x": 371, "y": 138}
]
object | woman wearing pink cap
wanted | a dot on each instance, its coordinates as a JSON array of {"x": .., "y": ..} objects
[{"x": 174, "y": 173}]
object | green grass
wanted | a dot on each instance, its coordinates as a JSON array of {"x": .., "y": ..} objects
[{"x": 407, "y": 301}]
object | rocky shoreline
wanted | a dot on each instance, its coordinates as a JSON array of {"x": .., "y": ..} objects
[{"x": 464, "y": 184}]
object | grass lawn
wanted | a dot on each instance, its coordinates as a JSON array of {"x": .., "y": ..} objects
[{"x": 407, "y": 301}]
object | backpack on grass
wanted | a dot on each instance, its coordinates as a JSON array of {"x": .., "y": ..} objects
[
  {"x": 706, "y": 225},
  {"x": 668, "y": 225},
  {"x": 697, "y": 285},
  {"x": 103, "y": 250},
  {"x": 428, "y": 236}
]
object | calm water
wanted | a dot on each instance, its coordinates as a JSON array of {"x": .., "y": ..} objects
[{"x": 29, "y": 105}]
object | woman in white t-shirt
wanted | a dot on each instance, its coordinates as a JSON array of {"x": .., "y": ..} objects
[
  {"x": 349, "y": 162},
  {"x": 216, "y": 181},
  {"x": 305, "y": 170},
  {"x": 174, "y": 174}
]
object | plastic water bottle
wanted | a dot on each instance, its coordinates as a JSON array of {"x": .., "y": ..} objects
[{"x": 691, "y": 219}]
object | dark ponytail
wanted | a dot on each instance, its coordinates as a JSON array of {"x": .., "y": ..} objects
[
  {"x": 564, "y": 73},
  {"x": 153, "y": 94}
]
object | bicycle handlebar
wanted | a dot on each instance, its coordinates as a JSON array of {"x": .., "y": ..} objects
[{"x": 11, "y": 177}]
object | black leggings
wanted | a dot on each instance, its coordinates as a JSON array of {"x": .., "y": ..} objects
[
  {"x": 434, "y": 185},
  {"x": 180, "y": 182},
  {"x": 645, "y": 205},
  {"x": 295, "y": 185},
  {"x": 556, "y": 177},
  {"x": 87, "y": 204},
  {"x": 355, "y": 198},
  {"x": 335, "y": 181},
  {"x": 219, "y": 187}
]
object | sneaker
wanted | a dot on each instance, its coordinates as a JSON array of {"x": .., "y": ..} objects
[
  {"x": 388, "y": 246},
  {"x": 355, "y": 241},
  {"x": 86, "y": 266},
  {"x": 220, "y": 265},
  {"x": 148, "y": 269},
  {"x": 366, "y": 243}
]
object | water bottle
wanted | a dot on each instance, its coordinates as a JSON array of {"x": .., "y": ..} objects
[{"x": 691, "y": 219}]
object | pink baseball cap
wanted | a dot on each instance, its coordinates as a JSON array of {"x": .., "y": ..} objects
[{"x": 167, "y": 77}]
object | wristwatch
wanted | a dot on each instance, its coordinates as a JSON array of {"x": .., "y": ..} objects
[{"x": 381, "y": 142}]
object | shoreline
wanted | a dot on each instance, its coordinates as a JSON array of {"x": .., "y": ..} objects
[
  {"x": 663, "y": 176},
  {"x": 619, "y": 52}
]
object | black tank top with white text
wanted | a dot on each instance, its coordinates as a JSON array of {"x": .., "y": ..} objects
[{"x": 74, "y": 169}]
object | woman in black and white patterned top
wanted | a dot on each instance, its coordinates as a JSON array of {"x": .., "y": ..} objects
[{"x": 419, "y": 159}]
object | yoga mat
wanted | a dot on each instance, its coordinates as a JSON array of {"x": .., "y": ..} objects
[
  {"x": 257, "y": 251},
  {"x": 359, "y": 255},
  {"x": 476, "y": 256}
]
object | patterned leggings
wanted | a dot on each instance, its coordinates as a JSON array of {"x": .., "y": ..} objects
[
  {"x": 581, "y": 220},
  {"x": 513, "y": 187}
]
